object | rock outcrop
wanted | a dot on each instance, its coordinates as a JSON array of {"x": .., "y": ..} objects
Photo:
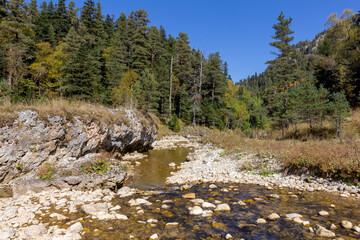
[{"x": 64, "y": 143}]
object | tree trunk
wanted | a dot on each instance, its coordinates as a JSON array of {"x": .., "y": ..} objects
[{"x": 171, "y": 74}]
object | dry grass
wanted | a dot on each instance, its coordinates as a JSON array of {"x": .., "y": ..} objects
[
  {"x": 322, "y": 154},
  {"x": 69, "y": 109}
]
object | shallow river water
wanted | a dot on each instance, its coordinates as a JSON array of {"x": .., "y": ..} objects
[{"x": 169, "y": 206}]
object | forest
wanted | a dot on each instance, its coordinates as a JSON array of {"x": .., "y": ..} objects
[{"x": 53, "y": 50}]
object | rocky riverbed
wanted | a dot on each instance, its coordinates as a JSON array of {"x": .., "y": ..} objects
[
  {"x": 210, "y": 164},
  {"x": 210, "y": 196}
]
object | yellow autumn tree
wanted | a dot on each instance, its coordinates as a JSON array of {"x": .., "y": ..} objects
[
  {"x": 123, "y": 94},
  {"x": 46, "y": 69}
]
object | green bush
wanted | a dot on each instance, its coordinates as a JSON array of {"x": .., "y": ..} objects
[
  {"x": 174, "y": 124},
  {"x": 99, "y": 166}
]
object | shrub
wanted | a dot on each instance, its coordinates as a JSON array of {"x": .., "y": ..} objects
[
  {"x": 174, "y": 123},
  {"x": 99, "y": 166},
  {"x": 46, "y": 171}
]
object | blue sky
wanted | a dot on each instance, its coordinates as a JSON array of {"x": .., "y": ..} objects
[{"x": 239, "y": 30}]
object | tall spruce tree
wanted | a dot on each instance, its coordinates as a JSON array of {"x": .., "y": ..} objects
[
  {"x": 141, "y": 48},
  {"x": 61, "y": 21},
  {"x": 283, "y": 69}
]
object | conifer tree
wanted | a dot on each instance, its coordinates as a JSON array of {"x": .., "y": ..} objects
[
  {"x": 146, "y": 92},
  {"x": 141, "y": 47},
  {"x": 283, "y": 69},
  {"x": 61, "y": 21}
]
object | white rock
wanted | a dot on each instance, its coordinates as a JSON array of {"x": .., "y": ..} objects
[
  {"x": 212, "y": 186},
  {"x": 356, "y": 229},
  {"x": 208, "y": 205},
  {"x": 305, "y": 223},
  {"x": 197, "y": 201},
  {"x": 323, "y": 232},
  {"x": 59, "y": 217},
  {"x": 260, "y": 221},
  {"x": 196, "y": 210},
  {"x": 152, "y": 220},
  {"x": 346, "y": 224},
  {"x": 298, "y": 220},
  {"x": 95, "y": 209},
  {"x": 154, "y": 237},
  {"x": 75, "y": 228},
  {"x": 164, "y": 206},
  {"x": 125, "y": 192},
  {"x": 323, "y": 213},
  {"x": 105, "y": 216},
  {"x": 241, "y": 203},
  {"x": 228, "y": 236},
  {"x": 291, "y": 216},
  {"x": 171, "y": 224},
  {"x": 222, "y": 207},
  {"x": 35, "y": 230},
  {"x": 120, "y": 216},
  {"x": 207, "y": 213},
  {"x": 273, "y": 196},
  {"x": 273, "y": 217},
  {"x": 139, "y": 201}
]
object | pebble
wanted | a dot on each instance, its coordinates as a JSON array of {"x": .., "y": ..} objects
[
  {"x": 154, "y": 237},
  {"x": 75, "y": 228},
  {"x": 172, "y": 165},
  {"x": 346, "y": 224},
  {"x": 228, "y": 236},
  {"x": 189, "y": 196},
  {"x": 291, "y": 216},
  {"x": 208, "y": 205},
  {"x": 323, "y": 213},
  {"x": 323, "y": 232},
  {"x": 298, "y": 220},
  {"x": 305, "y": 223},
  {"x": 222, "y": 207},
  {"x": 197, "y": 201},
  {"x": 171, "y": 224},
  {"x": 241, "y": 203},
  {"x": 196, "y": 210},
  {"x": 333, "y": 227},
  {"x": 356, "y": 229},
  {"x": 273, "y": 217},
  {"x": 212, "y": 186},
  {"x": 260, "y": 221},
  {"x": 273, "y": 196}
]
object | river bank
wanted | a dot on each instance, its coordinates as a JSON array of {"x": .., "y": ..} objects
[{"x": 206, "y": 194}]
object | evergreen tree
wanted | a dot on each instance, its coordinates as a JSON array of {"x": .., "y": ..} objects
[
  {"x": 33, "y": 10},
  {"x": 146, "y": 92},
  {"x": 339, "y": 110},
  {"x": 283, "y": 69},
  {"x": 141, "y": 48},
  {"x": 61, "y": 21}
]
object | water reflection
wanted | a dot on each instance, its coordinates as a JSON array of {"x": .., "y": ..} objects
[{"x": 154, "y": 169}]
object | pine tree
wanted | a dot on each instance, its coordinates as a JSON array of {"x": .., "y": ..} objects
[
  {"x": 339, "y": 110},
  {"x": 140, "y": 49},
  {"x": 33, "y": 10},
  {"x": 283, "y": 69},
  {"x": 61, "y": 21},
  {"x": 109, "y": 27},
  {"x": 155, "y": 46},
  {"x": 146, "y": 92}
]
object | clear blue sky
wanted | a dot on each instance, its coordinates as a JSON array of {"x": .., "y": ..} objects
[{"x": 239, "y": 30}]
